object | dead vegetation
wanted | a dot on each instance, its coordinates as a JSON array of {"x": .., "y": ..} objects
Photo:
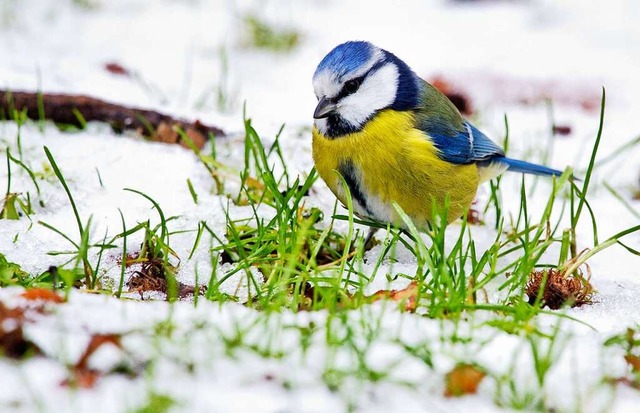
[
  {"x": 13, "y": 343},
  {"x": 78, "y": 109},
  {"x": 407, "y": 298},
  {"x": 555, "y": 289},
  {"x": 157, "y": 275},
  {"x": 80, "y": 374},
  {"x": 463, "y": 379}
]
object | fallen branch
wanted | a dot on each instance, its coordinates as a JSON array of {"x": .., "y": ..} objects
[{"x": 78, "y": 109}]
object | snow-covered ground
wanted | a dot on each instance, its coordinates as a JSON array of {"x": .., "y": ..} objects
[{"x": 183, "y": 55}]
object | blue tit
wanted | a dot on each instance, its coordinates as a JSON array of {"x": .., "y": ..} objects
[{"x": 392, "y": 137}]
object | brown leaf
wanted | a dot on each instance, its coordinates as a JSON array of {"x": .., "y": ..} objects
[
  {"x": 463, "y": 379},
  {"x": 117, "y": 69},
  {"x": 80, "y": 374},
  {"x": 84, "y": 379},
  {"x": 633, "y": 361},
  {"x": 562, "y": 130},
  {"x": 459, "y": 98},
  {"x": 42, "y": 294},
  {"x": 626, "y": 381},
  {"x": 13, "y": 344},
  {"x": 407, "y": 296},
  {"x": 474, "y": 216},
  {"x": 167, "y": 133},
  {"x": 97, "y": 341},
  {"x": 197, "y": 138}
]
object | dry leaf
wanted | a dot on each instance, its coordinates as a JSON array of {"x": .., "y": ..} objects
[
  {"x": 633, "y": 361},
  {"x": 81, "y": 375},
  {"x": 166, "y": 132},
  {"x": 562, "y": 130},
  {"x": 463, "y": 379},
  {"x": 117, "y": 69},
  {"x": 197, "y": 138},
  {"x": 42, "y": 294},
  {"x": 408, "y": 296},
  {"x": 460, "y": 99},
  {"x": 626, "y": 381},
  {"x": 13, "y": 344},
  {"x": 95, "y": 343},
  {"x": 474, "y": 216}
]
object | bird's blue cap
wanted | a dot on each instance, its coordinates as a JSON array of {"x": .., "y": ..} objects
[{"x": 346, "y": 58}]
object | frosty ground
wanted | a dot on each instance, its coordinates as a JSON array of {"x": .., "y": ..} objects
[{"x": 538, "y": 62}]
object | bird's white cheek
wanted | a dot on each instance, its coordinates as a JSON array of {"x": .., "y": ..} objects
[{"x": 378, "y": 91}]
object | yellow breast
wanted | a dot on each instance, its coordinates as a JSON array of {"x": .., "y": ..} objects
[{"x": 389, "y": 160}]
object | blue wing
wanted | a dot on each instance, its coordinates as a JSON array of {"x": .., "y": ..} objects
[
  {"x": 464, "y": 146},
  {"x": 459, "y": 142},
  {"x": 473, "y": 146}
]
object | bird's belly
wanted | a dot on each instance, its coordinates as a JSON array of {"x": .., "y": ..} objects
[
  {"x": 381, "y": 166},
  {"x": 367, "y": 202},
  {"x": 375, "y": 189}
]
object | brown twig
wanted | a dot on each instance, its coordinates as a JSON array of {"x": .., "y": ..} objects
[{"x": 64, "y": 109}]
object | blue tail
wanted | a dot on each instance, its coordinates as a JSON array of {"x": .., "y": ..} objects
[{"x": 528, "y": 168}]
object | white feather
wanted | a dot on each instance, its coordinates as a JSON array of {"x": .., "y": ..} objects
[
  {"x": 491, "y": 170},
  {"x": 376, "y": 92},
  {"x": 321, "y": 124},
  {"x": 325, "y": 84},
  {"x": 470, "y": 134}
]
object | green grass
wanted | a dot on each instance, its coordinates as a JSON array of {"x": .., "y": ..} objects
[
  {"x": 157, "y": 403},
  {"x": 306, "y": 264},
  {"x": 11, "y": 273},
  {"x": 261, "y": 35},
  {"x": 292, "y": 258}
]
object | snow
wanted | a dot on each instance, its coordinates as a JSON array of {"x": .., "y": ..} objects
[{"x": 498, "y": 51}]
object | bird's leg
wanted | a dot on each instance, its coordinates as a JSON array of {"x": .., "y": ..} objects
[{"x": 369, "y": 239}]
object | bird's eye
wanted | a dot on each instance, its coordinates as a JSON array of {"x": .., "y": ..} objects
[{"x": 352, "y": 86}]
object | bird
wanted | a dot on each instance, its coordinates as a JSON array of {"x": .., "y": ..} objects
[{"x": 392, "y": 138}]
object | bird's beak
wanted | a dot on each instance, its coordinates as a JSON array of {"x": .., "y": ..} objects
[{"x": 325, "y": 108}]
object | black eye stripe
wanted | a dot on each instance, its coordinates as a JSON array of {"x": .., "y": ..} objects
[
  {"x": 345, "y": 92},
  {"x": 350, "y": 87}
]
